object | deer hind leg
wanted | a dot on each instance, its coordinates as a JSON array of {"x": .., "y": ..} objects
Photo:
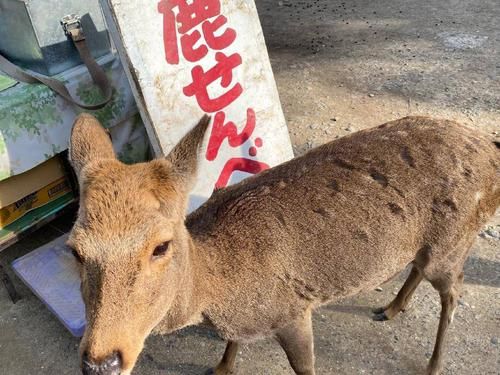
[
  {"x": 226, "y": 365},
  {"x": 297, "y": 342},
  {"x": 402, "y": 299},
  {"x": 449, "y": 291}
]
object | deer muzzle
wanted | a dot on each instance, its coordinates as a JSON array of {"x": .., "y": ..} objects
[{"x": 111, "y": 365}]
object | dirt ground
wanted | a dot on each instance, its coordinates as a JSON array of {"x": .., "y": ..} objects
[{"x": 339, "y": 67}]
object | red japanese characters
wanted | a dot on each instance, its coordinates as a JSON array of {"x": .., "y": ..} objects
[
  {"x": 223, "y": 70},
  {"x": 191, "y": 30}
]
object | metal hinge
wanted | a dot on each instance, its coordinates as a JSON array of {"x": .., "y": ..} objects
[{"x": 72, "y": 26}]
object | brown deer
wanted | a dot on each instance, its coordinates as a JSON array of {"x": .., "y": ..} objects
[{"x": 258, "y": 257}]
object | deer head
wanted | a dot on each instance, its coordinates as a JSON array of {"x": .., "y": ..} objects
[{"x": 130, "y": 241}]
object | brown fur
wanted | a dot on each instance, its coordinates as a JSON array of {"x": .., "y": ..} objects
[{"x": 259, "y": 256}]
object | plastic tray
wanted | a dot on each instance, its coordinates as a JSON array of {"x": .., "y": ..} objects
[{"x": 51, "y": 272}]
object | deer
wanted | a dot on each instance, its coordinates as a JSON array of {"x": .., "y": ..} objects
[{"x": 258, "y": 257}]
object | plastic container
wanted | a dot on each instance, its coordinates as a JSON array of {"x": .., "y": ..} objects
[{"x": 51, "y": 272}]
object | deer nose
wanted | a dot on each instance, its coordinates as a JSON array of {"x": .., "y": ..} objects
[{"x": 111, "y": 365}]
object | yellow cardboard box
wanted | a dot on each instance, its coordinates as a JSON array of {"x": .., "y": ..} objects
[{"x": 32, "y": 189}]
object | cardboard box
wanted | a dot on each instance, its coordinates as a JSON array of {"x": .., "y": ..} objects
[{"x": 35, "y": 188}]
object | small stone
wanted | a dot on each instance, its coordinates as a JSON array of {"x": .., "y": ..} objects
[
  {"x": 315, "y": 144},
  {"x": 378, "y": 289},
  {"x": 334, "y": 119},
  {"x": 494, "y": 340},
  {"x": 493, "y": 233},
  {"x": 371, "y": 95},
  {"x": 280, "y": 3}
]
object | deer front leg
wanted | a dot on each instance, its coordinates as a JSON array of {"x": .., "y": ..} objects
[
  {"x": 297, "y": 342},
  {"x": 226, "y": 365}
]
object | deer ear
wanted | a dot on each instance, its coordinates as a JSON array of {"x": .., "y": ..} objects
[
  {"x": 184, "y": 156},
  {"x": 89, "y": 142}
]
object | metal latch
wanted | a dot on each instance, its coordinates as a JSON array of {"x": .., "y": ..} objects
[{"x": 72, "y": 26}]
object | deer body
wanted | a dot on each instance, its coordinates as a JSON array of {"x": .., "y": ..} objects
[
  {"x": 258, "y": 257},
  {"x": 345, "y": 217}
]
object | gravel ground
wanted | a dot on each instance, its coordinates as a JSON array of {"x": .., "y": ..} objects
[{"x": 340, "y": 67}]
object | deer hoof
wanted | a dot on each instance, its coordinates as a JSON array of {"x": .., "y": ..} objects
[
  {"x": 378, "y": 310},
  {"x": 431, "y": 371},
  {"x": 380, "y": 317},
  {"x": 215, "y": 371}
]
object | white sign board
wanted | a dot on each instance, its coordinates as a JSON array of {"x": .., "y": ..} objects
[{"x": 189, "y": 57}]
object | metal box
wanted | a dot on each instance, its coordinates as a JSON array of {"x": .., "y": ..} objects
[{"x": 32, "y": 37}]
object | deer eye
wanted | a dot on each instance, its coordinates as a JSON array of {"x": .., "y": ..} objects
[
  {"x": 77, "y": 256},
  {"x": 161, "y": 250}
]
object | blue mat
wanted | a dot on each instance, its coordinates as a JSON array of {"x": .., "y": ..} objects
[{"x": 51, "y": 272}]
